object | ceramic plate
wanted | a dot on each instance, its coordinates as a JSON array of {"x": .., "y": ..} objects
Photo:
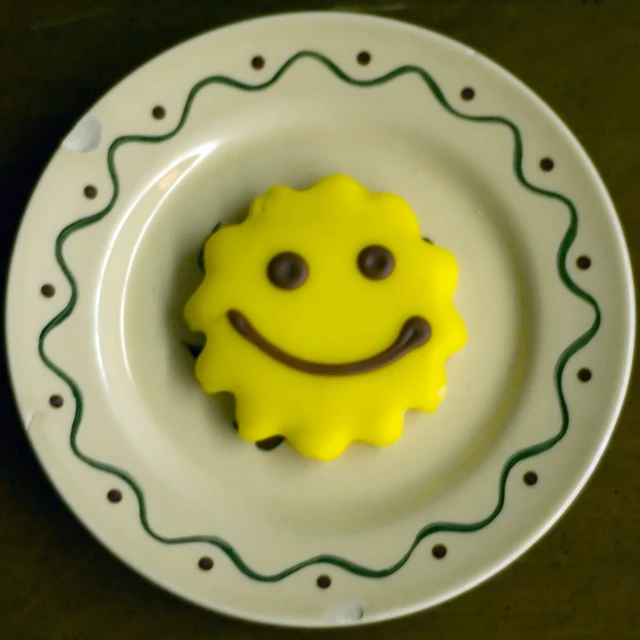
[{"x": 107, "y": 256}]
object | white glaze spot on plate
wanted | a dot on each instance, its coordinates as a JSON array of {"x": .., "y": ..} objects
[{"x": 85, "y": 136}]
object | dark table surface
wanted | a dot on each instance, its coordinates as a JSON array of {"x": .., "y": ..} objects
[{"x": 582, "y": 56}]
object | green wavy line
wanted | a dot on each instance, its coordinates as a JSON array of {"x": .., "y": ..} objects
[{"x": 436, "y": 527}]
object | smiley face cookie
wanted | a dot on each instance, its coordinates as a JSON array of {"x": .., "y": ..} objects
[{"x": 327, "y": 316}]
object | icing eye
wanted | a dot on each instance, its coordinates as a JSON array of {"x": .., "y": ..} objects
[
  {"x": 376, "y": 262},
  {"x": 288, "y": 270}
]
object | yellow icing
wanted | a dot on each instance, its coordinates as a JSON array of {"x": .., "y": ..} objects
[{"x": 337, "y": 316}]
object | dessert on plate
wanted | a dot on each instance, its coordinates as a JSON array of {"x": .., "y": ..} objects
[{"x": 327, "y": 315}]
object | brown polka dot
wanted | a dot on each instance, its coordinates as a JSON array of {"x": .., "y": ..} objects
[
  {"x": 114, "y": 495},
  {"x": 583, "y": 262},
  {"x": 584, "y": 375},
  {"x": 158, "y": 112},
  {"x": 439, "y": 551},
  {"x": 90, "y": 192},
  {"x": 257, "y": 62},
  {"x": 324, "y": 582},
  {"x": 547, "y": 164},
  {"x": 530, "y": 478},
  {"x": 56, "y": 401},
  {"x": 364, "y": 58},
  {"x": 205, "y": 563},
  {"x": 47, "y": 290},
  {"x": 468, "y": 93}
]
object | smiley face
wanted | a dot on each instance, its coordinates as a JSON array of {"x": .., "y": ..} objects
[{"x": 327, "y": 316}]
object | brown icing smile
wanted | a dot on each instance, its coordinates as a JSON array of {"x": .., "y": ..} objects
[{"x": 415, "y": 332}]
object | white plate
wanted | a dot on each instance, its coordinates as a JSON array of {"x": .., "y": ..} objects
[{"x": 289, "y": 100}]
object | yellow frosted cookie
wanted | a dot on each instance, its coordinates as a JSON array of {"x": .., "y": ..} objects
[{"x": 327, "y": 316}]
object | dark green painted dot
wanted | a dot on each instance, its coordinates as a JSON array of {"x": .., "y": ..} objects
[
  {"x": 257, "y": 62},
  {"x": 530, "y": 478},
  {"x": 364, "y": 58},
  {"x": 158, "y": 112},
  {"x": 439, "y": 551},
  {"x": 90, "y": 191}
]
